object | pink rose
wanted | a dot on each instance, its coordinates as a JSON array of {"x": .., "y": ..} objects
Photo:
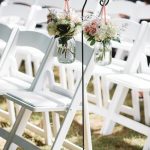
[
  {"x": 92, "y": 31},
  {"x": 94, "y": 23},
  {"x": 86, "y": 29}
]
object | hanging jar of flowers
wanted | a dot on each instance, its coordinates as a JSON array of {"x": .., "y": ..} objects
[
  {"x": 99, "y": 31},
  {"x": 103, "y": 53},
  {"x": 66, "y": 49},
  {"x": 64, "y": 26}
]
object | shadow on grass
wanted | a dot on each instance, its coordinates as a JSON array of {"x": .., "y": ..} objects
[{"x": 121, "y": 139}]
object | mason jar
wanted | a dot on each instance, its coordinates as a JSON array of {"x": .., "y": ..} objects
[
  {"x": 103, "y": 53},
  {"x": 66, "y": 49}
]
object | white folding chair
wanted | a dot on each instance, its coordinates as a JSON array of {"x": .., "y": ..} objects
[
  {"x": 123, "y": 7},
  {"x": 40, "y": 18},
  {"x": 129, "y": 31},
  {"x": 137, "y": 82},
  {"x": 7, "y": 36},
  {"x": 137, "y": 33},
  {"x": 12, "y": 78},
  {"x": 49, "y": 97}
]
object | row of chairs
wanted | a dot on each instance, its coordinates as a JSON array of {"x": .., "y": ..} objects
[
  {"x": 24, "y": 17},
  {"x": 28, "y": 18},
  {"x": 29, "y": 9},
  {"x": 117, "y": 66},
  {"x": 126, "y": 77},
  {"x": 11, "y": 79},
  {"x": 38, "y": 92},
  {"x": 135, "y": 11}
]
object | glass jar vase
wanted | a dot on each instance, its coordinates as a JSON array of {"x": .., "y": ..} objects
[
  {"x": 66, "y": 50},
  {"x": 103, "y": 53}
]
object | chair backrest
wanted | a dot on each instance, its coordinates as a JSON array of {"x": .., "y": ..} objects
[
  {"x": 145, "y": 57},
  {"x": 7, "y": 36},
  {"x": 17, "y": 15},
  {"x": 14, "y": 14},
  {"x": 128, "y": 29},
  {"x": 90, "y": 5},
  {"x": 76, "y": 5},
  {"x": 39, "y": 18},
  {"x": 51, "y": 3},
  {"x": 33, "y": 39},
  {"x": 5, "y": 32},
  {"x": 121, "y": 7},
  {"x": 46, "y": 73},
  {"x": 131, "y": 33},
  {"x": 26, "y": 40},
  {"x": 23, "y": 2},
  {"x": 143, "y": 12}
]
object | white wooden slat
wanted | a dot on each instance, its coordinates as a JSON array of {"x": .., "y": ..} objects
[{"x": 131, "y": 81}]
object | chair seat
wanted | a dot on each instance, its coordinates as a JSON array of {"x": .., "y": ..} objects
[
  {"x": 13, "y": 21},
  {"x": 133, "y": 81},
  {"x": 12, "y": 83},
  {"x": 116, "y": 66},
  {"x": 39, "y": 101},
  {"x": 2, "y": 46},
  {"x": 123, "y": 45},
  {"x": 25, "y": 50}
]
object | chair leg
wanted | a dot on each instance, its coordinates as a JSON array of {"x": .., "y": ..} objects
[
  {"x": 97, "y": 90},
  {"x": 47, "y": 128},
  {"x": 105, "y": 92},
  {"x": 87, "y": 130},
  {"x": 56, "y": 123},
  {"x": 117, "y": 101},
  {"x": 46, "y": 124},
  {"x": 119, "y": 54},
  {"x": 19, "y": 60},
  {"x": 63, "y": 130},
  {"x": 67, "y": 122},
  {"x": 11, "y": 112},
  {"x": 70, "y": 79},
  {"x": 18, "y": 107},
  {"x": 28, "y": 65},
  {"x": 147, "y": 144},
  {"x": 62, "y": 75},
  {"x": 146, "y": 107},
  {"x": 18, "y": 128},
  {"x": 135, "y": 105},
  {"x": 36, "y": 65}
]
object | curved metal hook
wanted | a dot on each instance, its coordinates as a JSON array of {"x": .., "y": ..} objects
[{"x": 102, "y": 2}]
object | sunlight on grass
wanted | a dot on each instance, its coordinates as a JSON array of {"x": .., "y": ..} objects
[{"x": 135, "y": 141}]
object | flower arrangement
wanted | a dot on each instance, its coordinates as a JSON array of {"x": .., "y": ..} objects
[
  {"x": 63, "y": 25},
  {"x": 97, "y": 30},
  {"x": 100, "y": 32}
]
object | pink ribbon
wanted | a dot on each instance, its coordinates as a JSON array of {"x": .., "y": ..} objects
[
  {"x": 104, "y": 13},
  {"x": 66, "y": 6}
]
